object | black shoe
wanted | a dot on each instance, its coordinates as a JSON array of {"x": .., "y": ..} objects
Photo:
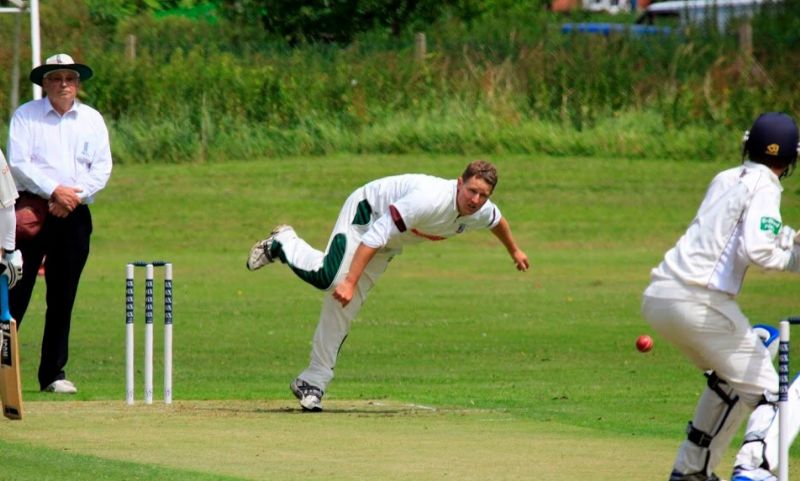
[{"x": 676, "y": 476}]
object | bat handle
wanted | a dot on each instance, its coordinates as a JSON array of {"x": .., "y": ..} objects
[{"x": 5, "y": 314}]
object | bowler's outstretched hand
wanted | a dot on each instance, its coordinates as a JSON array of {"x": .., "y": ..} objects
[{"x": 521, "y": 259}]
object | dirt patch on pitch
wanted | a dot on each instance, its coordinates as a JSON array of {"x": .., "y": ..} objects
[{"x": 349, "y": 441}]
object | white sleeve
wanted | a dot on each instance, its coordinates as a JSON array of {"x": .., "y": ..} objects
[
  {"x": 8, "y": 227},
  {"x": 495, "y": 215},
  {"x": 8, "y": 190},
  {"x": 380, "y": 232},
  {"x": 762, "y": 224},
  {"x": 94, "y": 179},
  {"x": 400, "y": 216}
]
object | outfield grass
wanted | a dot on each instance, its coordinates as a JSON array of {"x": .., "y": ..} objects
[{"x": 451, "y": 326}]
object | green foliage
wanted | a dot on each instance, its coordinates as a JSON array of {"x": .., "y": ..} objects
[
  {"x": 341, "y": 20},
  {"x": 107, "y": 14},
  {"x": 495, "y": 75}
]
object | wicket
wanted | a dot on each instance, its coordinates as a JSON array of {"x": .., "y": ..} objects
[
  {"x": 148, "y": 331},
  {"x": 783, "y": 398}
]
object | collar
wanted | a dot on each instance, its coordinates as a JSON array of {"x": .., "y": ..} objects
[
  {"x": 48, "y": 107},
  {"x": 765, "y": 170}
]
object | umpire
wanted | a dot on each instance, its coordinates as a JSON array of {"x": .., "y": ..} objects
[{"x": 60, "y": 157}]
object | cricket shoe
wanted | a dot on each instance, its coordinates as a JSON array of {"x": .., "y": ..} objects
[
  {"x": 61, "y": 386},
  {"x": 745, "y": 473},
  {"x": 259, "y": 254},
  {"x": 310, "y": 396},
  {"x": 676, "y": 476}
]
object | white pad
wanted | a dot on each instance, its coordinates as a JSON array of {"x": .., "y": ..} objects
[
  {"x": 760, "y": 447},
  {"x": 717, "y": 418}
]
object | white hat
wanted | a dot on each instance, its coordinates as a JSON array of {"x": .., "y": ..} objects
[{"x": 59, "y": 61}]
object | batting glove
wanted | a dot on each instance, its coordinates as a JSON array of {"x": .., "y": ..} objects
[
  {"x": 787, "y": 237},
  {"x": 11, "y": 266}
]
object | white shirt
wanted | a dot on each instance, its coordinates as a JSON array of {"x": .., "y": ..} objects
[
  {"x": 46, "y": 149},
  {"x": 412, "y": 208},
  {"x": 736, "y": 226}
]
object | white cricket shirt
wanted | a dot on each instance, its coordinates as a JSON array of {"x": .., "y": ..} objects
[
  {"x": 412, "y": 208},
  {"x": 46, "y": 150},
  {"x": 735, "y": 227}
]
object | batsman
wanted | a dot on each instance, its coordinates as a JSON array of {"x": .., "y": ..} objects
[
  {"x": 10, "y": 273},
  {"x": 691, "y": 302},
  {"x": 376, "y": 222}
]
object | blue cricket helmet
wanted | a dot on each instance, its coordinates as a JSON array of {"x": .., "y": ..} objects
[{"x": 773, "y": 141}]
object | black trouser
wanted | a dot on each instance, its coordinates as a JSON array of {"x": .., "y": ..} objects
[{"x": 64, "y": 245}]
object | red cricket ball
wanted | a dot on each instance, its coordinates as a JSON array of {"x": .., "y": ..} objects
[{"x": 644, "y": 343}]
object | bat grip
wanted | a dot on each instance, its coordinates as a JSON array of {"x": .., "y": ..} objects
[{"x": 5, "y": 314}]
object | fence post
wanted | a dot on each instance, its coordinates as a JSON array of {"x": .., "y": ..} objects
[
  {"x": 746, "y": 39},
  {"x": 130, "y": 47},
  {"x": 420, "y": 47}
]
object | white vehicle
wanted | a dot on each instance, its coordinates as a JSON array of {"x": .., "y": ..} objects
[{"x": 700, "y": 11}]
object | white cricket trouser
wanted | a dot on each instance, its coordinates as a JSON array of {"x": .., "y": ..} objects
[
  {"x": 325, "y": 270},
  {"x": 716, "y": 338}
]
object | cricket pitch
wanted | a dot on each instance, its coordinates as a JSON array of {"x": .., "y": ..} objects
[{"x": 351, "y": 440}]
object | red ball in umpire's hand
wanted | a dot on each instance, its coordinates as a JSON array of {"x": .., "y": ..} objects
[{"x": 644, "y": 343}]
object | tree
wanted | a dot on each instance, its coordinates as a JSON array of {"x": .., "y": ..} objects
[{"x": 340, "y": 20}]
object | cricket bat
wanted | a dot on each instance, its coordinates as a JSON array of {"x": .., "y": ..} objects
[{"x": 10, "y": 383}]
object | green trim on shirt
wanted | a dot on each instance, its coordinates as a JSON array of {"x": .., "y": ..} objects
[{"x": 363, "y": 213}]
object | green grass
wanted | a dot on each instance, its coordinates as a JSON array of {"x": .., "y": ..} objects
[
  {"x": 450, "y": 325},
  {"x": 25, "y": 463}
]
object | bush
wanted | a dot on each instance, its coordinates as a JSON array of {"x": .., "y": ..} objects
[{"x": 500, "y": 83}]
